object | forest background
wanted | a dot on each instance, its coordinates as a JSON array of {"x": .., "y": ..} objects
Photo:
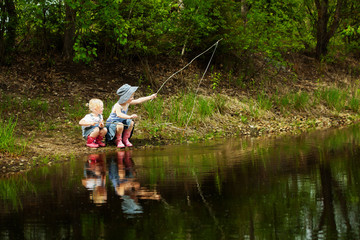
[{"x": 281, "y": 66}]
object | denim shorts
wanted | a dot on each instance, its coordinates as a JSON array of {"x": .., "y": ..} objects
[
  {"x": 110, "y": 136},
  {"x": 88, "y": 130}
]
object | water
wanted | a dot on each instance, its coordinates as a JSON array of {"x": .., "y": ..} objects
[{"x": 304, "y": 187}]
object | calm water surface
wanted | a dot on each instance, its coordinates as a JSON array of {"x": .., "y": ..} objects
[{"x": 305, "y": 187}]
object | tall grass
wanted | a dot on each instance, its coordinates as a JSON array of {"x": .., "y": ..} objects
[
  {"x": 154, "y": 108},
  {"x": 206, "y": 107},
  {"x": 297, "y": 101},
  {"x": 300, "y": 100},
  {"x": 220, "y": 103},
  {"x": 175, "y": 110},
  {"x": 7, "y": 138},
  {"x": 354, "y": 104},
  {"x": 180, "y": 109},
  {"x": 264, "y": 102},
  {"x": 333, "y": 97}
]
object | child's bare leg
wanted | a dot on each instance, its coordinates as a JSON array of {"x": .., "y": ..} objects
[
  {"x": 95, "y": 133},
  {"x": 103, "y": 132}
]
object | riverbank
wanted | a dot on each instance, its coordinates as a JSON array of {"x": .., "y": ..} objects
[{"x": 47, "y": 101}]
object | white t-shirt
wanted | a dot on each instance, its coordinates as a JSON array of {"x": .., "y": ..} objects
[{"x": 90, "y": 118}]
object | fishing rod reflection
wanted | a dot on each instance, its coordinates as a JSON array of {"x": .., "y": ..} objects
[{"x": 122, "y": 177}]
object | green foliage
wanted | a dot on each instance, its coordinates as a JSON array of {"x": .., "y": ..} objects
[
  {"x": 84, "y": 53},
  {"x": 118, "y": 28},
  {"x": 175, "y": 110},
  {"x": 293, "y": 101},
  {"x": 271, "y": 28},
  {"x": 215, "y": 80}
]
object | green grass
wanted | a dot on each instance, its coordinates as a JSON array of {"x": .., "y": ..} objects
[
  {"x": 333, "y": 97},
  {"x": 154, "y": 109},
  {"x": 220, "y": 103},
  {"x": 180, "y": 109},
  {"x": 7, "y": 138},
  {"x": 293, "y": 101},
  {"x": 264, "y": 101},
  {"x": 354, "y": 104},
  {"x": 174, "y": 110},
  {"x": 205, "y": 107},
  {"x": 300, "y": 100}
]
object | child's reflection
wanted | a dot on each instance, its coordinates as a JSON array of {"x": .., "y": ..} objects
[
  {"x": 95, "y": 178},
  {"x": 123, "y": 177}
]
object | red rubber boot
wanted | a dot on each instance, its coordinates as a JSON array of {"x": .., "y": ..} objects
[
  {"x": 100, "y": 142},
  {"x": 126, "y": 137},
  {"x": 118, "y": 142},
  {"x": 91, "y": 142}
]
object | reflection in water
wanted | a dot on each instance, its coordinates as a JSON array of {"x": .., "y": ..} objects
[
  {"x": 305, "y": 187},
  {"x": 95, "y": 178},
  {"x": 122, "y": 176}
]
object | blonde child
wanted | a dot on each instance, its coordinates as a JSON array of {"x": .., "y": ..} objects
[
  {"x": 92, "y": 125},
  {"x": 119, "y": 123}
]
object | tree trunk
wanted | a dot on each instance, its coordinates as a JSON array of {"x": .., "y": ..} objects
[
  {"x": 69, "y": 32},
  {"x": 2, "y": 30},
  {"x": 7, "y": 43},
  {"x": 324, "y": 31}
]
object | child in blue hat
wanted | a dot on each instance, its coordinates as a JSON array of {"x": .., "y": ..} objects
[{"x": 119, "y": 123}]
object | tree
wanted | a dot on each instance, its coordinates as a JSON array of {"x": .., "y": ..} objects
[
  {"x": 69, "y": 31},
  {"x": 328, "y": 20},
  {"x": 8, "y": 24}
]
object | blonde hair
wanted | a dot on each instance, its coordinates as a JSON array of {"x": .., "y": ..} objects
[{"x": 95, "y": 103}]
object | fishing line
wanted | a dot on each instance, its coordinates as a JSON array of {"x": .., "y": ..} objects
[
  {"x": 192, "y": 111},
  {"x": 215, "y": 44}
]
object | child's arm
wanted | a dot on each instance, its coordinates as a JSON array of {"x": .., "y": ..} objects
[
  {"x": 85, "y": 123},
  {"x": 143, "y": 99},
  {"x": 123, "y": 115}
]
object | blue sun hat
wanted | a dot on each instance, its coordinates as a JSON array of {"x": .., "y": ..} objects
[{"x": 125, "y": 92}]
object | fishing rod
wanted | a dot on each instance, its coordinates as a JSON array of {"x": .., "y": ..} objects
[{"x": 215, "y": 44}]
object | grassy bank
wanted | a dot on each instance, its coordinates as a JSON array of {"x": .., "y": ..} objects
[
  {"x": 186, "y": 116},
  {"x": 39, "y": 116}
]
